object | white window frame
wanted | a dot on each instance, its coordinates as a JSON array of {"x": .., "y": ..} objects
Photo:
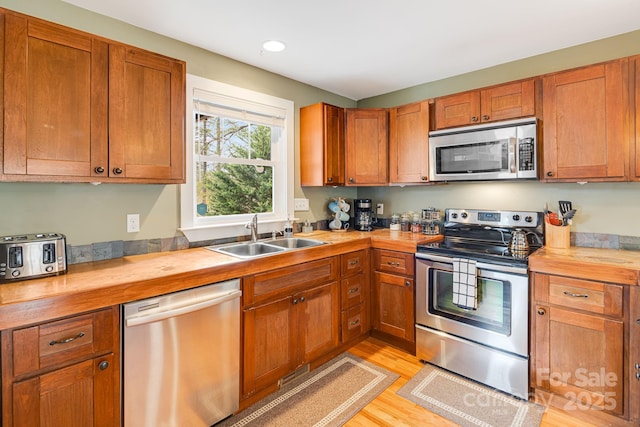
[{"x": 208, "y": 228}]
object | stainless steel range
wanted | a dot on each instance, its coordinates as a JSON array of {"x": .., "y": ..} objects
[{"x": 472, "y": 296}]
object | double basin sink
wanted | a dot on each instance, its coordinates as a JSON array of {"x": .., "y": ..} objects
[{"x": 267, "y": 247}]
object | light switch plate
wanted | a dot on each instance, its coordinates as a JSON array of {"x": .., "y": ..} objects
[{"x": 300, "y": 204}]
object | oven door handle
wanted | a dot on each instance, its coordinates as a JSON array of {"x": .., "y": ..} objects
[{"x": 480, "y": 265}]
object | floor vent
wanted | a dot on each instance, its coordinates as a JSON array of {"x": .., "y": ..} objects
[{"x": 295, "y": 374}]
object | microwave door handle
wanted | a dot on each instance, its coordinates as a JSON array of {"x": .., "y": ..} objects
[{"x": 512, "y": 154}]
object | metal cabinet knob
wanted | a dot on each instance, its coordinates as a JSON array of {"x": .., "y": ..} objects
[
  {"x": 352, "y": 180},
  {"x": 485, "y": 117},
  {"x": 542, "y": 311},
  {"x": 117, "y": 171},
  {"x": 549, "y": 173},
  {"x": 103, "y": 365},
  {"x": 407, "y": 283},
  {"x": 424, "y": 178},
  {"x": 330, "y": 179},
  {"x": 474, "y": 118},
  {"x": 99, "y": 169}
]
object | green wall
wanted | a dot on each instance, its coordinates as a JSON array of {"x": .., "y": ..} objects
[{"x": 87, "y": 213}]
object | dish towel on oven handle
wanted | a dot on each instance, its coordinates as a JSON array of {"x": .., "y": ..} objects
[{"x": 465, "y": 283}]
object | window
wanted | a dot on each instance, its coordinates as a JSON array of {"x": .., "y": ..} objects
[{"x": 239, "y": 160}]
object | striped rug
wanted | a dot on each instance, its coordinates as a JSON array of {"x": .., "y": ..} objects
[
  {"x": 468, "y": 403},
  {"x": 326, "y": 396}
]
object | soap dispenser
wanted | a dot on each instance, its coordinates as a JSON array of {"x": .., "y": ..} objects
[{"x": 288, "y": 228}]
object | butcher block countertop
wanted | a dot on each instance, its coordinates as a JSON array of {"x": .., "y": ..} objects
[
  {"x": 94, "y": 285},
  {"x": 606, "y": 265}
]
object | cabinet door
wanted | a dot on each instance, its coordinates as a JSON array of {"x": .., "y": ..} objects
[
  {"x": 635, "y": 159},
  {"x": 508, "y": 101},
  {"x": 409, "y": 143},
  {"x": 586, "y": 126},
  {"x": 458, "y": 110},
  {"x": 146, "y": 115},
  {"x": 318, "y": 312},
  {"x": 322, "y": 145},
  {"x": 55, "y": 101},
  {"x": 269, "y": 344},
  {"x": 393, "y": 306},
  {"x": 580, "y": 357},
  {"x": 634, "y": 353},
  {"x": 84, "y": 394},
  {"x": 366, "y": 146}
]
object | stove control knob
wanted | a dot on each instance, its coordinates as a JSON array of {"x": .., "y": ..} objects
[
  {"x": 454, "y": 215},
  {"x": 516, "y": 217},
  {"x": 528, "y": 219},
  {"x": 464, "y": 215}
]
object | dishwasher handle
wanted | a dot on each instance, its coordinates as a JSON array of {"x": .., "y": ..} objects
[{"x": 141, "y": 320}]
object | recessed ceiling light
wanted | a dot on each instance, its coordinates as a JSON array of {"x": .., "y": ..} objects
[{"x": 273, "y": 46}]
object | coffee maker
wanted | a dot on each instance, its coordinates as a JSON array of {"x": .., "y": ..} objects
[{"x": 363, "y": 219}]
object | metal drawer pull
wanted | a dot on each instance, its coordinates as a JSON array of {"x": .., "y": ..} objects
[
  {"x": 354, "y": 290},
  {"x": 395, "y": 264},
  {"x": 355, "y": 322},
  {"x": 354, "y": 262},
  {"x": 67, "y": 340},
  {"x": 571, "y": 294}
]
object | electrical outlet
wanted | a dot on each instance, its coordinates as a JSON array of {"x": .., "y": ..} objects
[
  {"x": 380, "y": 209},
  {"x": 133, "y": 223},
  {"x": 300, "y": 204}
]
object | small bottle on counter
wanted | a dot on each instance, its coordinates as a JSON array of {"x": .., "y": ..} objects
[
  {"x": 404, "y": 223},
  {"x": 416, "y": 224},
  {"x": 395, "y": 223},
  {"x": 288, "y": 228}
]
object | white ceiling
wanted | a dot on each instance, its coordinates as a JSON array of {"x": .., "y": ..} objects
[{"x": 363, "y": 48}]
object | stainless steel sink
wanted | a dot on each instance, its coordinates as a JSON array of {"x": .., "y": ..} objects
[
  {"x": 295, "y": 242},
  {"x": 268, "y": 247},
  {"x": 247, "y": 250}
]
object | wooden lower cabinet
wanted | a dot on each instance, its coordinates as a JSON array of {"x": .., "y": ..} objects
[
  {"x": 63, "y": 373},
  {"x": 579, "y": 343},
  {"x": 296, "y": 320},
  {"x": 354, "y": 300},
  {"x": 394, "y": 298}
]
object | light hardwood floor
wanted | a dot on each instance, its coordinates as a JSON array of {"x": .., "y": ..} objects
[{"x": 389, "y": 409}]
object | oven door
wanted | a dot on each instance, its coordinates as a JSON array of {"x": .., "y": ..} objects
[{"x": 501, "y": 319}]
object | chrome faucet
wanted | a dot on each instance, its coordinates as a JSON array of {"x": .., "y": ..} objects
[{"x": 253, "y": 226}]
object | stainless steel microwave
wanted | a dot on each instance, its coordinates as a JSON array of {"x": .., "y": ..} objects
[{"x": 501, "y": 150}]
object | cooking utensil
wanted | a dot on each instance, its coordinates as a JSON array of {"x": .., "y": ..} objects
[
  {"x": 566, "y": 217},
  {"x": 565, "y": 206}
]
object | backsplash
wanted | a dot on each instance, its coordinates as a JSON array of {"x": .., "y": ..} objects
[{"x": 116, "y": 249}]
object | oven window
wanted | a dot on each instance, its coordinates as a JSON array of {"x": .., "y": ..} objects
[
  {"x": 494, "y": 302},
  {"x": 492, "y": 156}
]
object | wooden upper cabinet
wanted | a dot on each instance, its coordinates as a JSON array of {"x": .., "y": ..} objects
[
  {"x": 55, "y": 100},
  {"x": 81, "y": 108},
  {"x": 409, "y": 143},
  {"x": 146, "y": 115},
  {"x": 634, "y": 66},
  {"x": 322, "y": 150},
  {"x": 586, "y": 123},
  {"x": 503, "y": 102},
  {"x": 366, "y": 146}
]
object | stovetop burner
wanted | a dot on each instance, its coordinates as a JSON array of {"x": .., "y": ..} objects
[{"x": 485, "y": 235}]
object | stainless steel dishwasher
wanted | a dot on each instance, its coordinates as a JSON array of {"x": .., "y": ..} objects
[{"x": 181, "y": 357}]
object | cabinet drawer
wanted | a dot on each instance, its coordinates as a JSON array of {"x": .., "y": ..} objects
[
  {"x": 353, "y": 263},
  {"x": 577, "y": 294},
  {"x": 394, "y": 262},
  {"x": 63, "y": 341},
  {"x": 355, "y": 322},
  {"x": 353, "y": 290},
  {"x": 286, "y": 281}
]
